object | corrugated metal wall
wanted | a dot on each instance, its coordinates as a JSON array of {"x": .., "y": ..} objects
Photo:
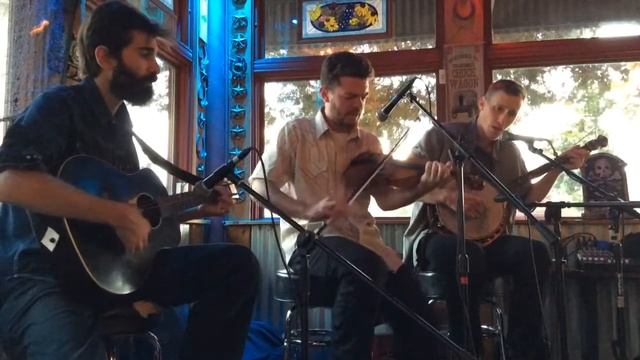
[
  {"x": 264, "y": 246},
  {"x": 412, "y": 17},
  {"x": 561, "y": 14}
]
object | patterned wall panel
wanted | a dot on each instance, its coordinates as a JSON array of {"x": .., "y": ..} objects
[
  {"x": 202, "y": 89},
  {"x": 239, "y": 89}
]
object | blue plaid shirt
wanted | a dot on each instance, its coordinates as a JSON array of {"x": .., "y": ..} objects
[{"x": 60, "y": 123}]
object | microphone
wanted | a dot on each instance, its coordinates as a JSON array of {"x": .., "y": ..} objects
[
  {"x": 507, "y": 136},
  {"x": 383, "y": 113},
  {"x": 220, "y": 173}
]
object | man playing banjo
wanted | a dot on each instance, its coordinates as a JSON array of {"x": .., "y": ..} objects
[{"x": 433, "y": 244}]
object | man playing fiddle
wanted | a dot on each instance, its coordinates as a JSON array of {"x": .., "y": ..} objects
[
  {"x": 305, "y": 178},
  {"x": 435, "y": 249}
]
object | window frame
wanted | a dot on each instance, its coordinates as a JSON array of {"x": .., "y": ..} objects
[
  {"x": 558, "y": 52},
  {"x": 183, "y": 123},
  {"x": 177, "y": 51},
  {"x": 554, "y": 52},
  {"x": 308, "y": 68},
  {"x": 497, "y": 56}
]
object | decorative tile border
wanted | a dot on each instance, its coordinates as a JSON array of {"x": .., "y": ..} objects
[
  {"x": 202, "y": 90},
  {"x": 238, "y": 67}
]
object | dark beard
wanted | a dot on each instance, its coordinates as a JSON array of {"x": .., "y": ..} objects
[{"x": 126, "y": 86}]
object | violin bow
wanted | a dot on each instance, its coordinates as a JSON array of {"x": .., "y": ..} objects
[
  {"x": 377, "y": 169},
  {"x": 365, "y": 183}
]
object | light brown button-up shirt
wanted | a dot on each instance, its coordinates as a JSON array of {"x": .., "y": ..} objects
[{"x": 307, "y": 163}]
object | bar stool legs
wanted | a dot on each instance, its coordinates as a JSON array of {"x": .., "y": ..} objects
[
  {"x": 318, "y": 338},
  {"x": 118, "y": 345}
]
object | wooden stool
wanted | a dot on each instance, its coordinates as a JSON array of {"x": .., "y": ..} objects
[{"x": 433, "y": 286}]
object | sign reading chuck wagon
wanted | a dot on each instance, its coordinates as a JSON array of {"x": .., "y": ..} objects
[{"x": 464, "y": 76}]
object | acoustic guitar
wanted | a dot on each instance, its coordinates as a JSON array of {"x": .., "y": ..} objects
[
  {"x": 486, "y": 228},
  {"x": 85, "y": 249}
]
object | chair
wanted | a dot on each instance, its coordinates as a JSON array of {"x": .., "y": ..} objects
[
  {"x": 319, "y": 338},
  {"x": 121, "y": 328},
  {"x": 285, "y": 292},
  {"x": 433, "y": 285}
]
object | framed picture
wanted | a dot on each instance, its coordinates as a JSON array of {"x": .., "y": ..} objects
[
  {"x": 321, "y": 20},
  {"x": 607, "y": 172}
]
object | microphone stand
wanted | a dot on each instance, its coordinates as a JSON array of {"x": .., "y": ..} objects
[
  {"x": 552, "y": 215},
  {"x": 514, "y": 200},
  {"x": 581, "y": 180},
  {"x": 618, "y": 345},
  {"x": 305, "y": 240},
  {"x": 462, "y": 257}
]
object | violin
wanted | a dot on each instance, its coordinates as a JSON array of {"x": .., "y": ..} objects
[{"x": 394, "y": 173}]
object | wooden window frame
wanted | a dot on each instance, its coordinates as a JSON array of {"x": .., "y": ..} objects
[
  {"x": 178, "y": 53},
  {"x": 554, "y": 52},
  {"x": 308, "y": 68},
  {"x": 497, "y": 56}
]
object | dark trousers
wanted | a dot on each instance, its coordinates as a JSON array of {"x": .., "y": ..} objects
[
  {"x": 38, "y": 320},
  {"x": 356, "y": 306},
  {"x": 508, "y": 255}
]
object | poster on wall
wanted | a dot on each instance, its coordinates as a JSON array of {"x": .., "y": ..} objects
[{"x": 464, "y": 79}]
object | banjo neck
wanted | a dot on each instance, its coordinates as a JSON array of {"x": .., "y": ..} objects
[
  {"x": 489, "y": 226},
  {"x": 597, "y": 143}
]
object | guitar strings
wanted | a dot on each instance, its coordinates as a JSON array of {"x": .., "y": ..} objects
[{"x": 177, "y": 198}]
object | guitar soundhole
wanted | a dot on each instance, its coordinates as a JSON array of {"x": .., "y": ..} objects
[{"x": 150, "y": 209}]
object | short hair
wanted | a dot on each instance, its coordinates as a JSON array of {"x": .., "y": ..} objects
[
  {"x": 344, "y": 63},
  {"x": 507, "y": 86},
  {"x": 110, "y": 25}
]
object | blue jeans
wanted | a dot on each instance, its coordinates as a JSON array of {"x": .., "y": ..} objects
[{"x": 38, "y": 320}]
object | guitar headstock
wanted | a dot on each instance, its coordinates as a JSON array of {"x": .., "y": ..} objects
[{"x": 597, "y": 143}]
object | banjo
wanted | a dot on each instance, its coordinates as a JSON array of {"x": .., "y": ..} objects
[{"x": 485, "y": 228}]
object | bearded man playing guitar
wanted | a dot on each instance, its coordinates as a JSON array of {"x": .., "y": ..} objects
[
  {"x": 41, "y": 317},
  {"x": 496, "y": 253}
]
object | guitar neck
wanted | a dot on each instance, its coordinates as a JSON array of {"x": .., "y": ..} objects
[
  {"x": 175, "y": 206},
  {"x": 543, "y": 169}
]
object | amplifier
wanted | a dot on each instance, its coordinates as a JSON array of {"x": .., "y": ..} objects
[
  {"x": 600, "y": 255},
  {"x": 584, "y": 252}
]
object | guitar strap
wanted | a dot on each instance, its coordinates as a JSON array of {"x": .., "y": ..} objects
[{"x": 166, "y": 164}]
